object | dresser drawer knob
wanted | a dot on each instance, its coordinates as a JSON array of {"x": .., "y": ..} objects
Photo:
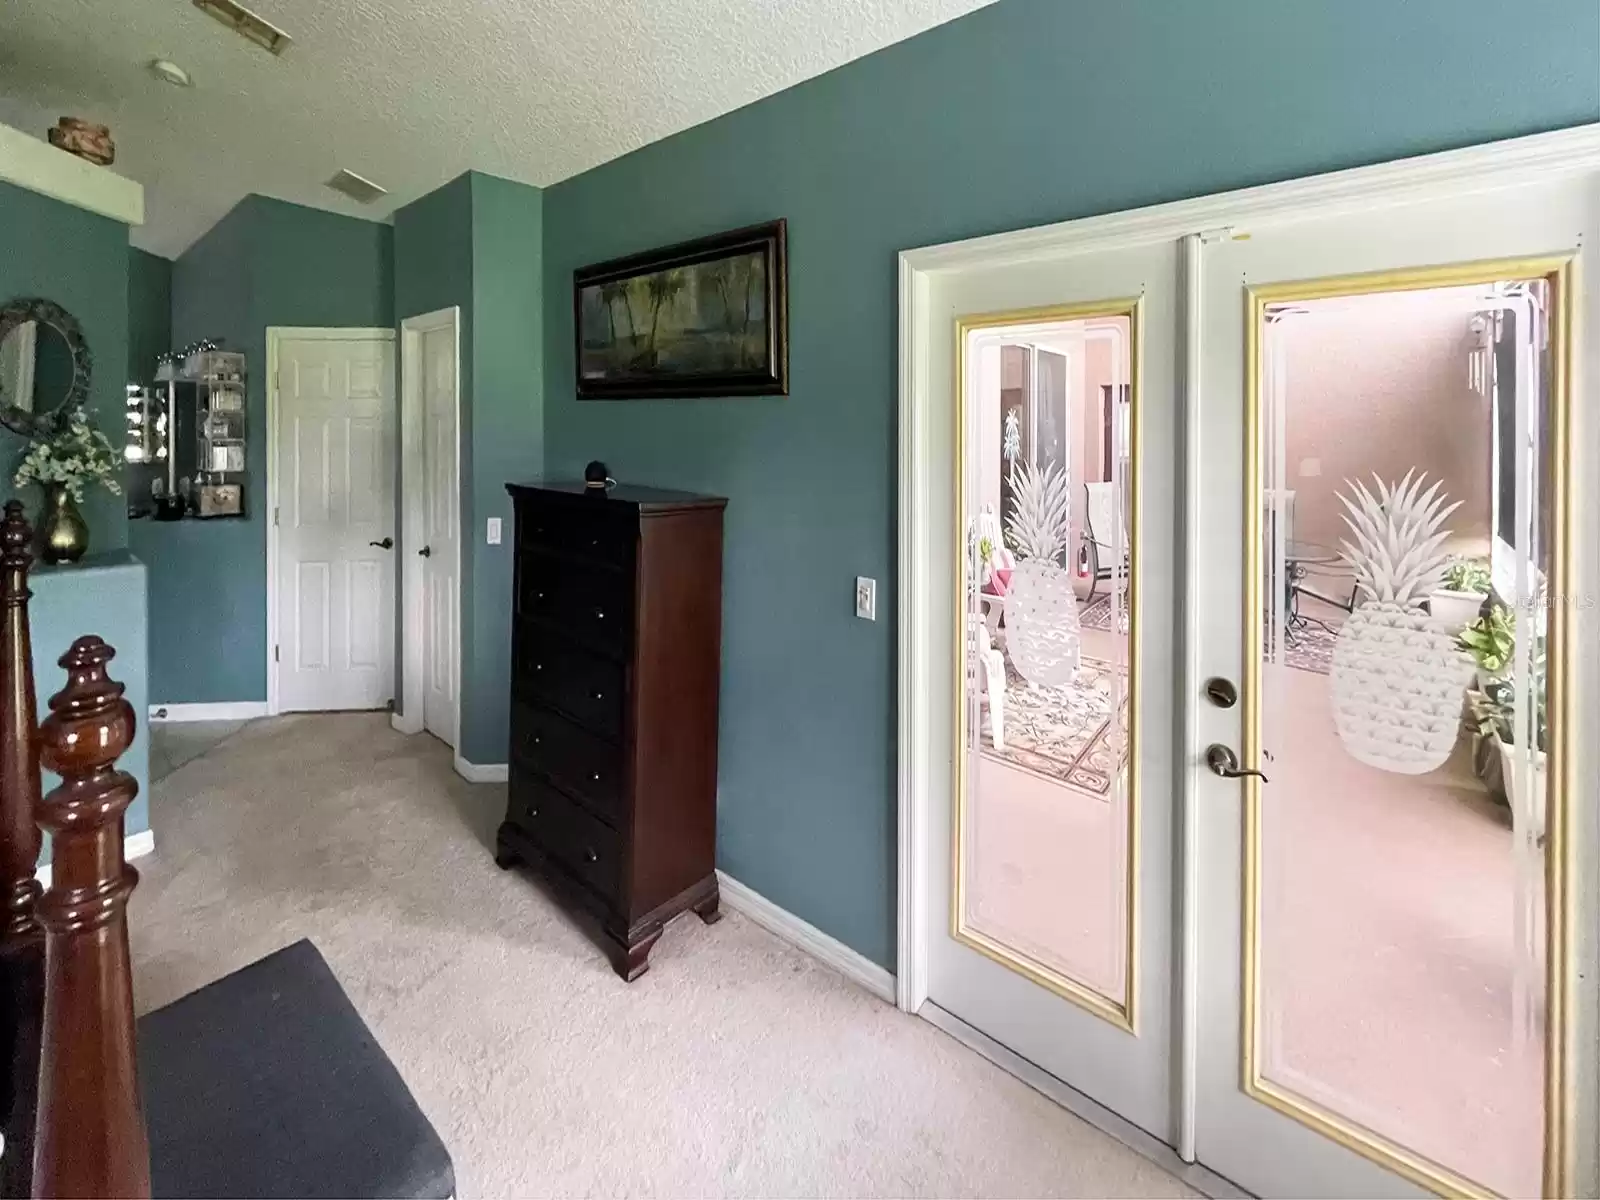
[
  {"x": 533, "y": 812},
  {"x": 590, "y": 857},
  {"x": 599, "y": 614},
  {"x": 596, "y": 777},
  {"x": 538, "y": 666},
  {"x": 537, "y": 740},
  {"x": 599, "y": 695}
]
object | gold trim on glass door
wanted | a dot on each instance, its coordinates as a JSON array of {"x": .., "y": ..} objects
[
  {"x": 1558, "y": 271},
  {"x": 1121, "y": 1012}
]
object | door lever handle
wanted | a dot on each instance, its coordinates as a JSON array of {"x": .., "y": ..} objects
[
  {"x": 386, "y": 544},
  {"x": 1224, "y": 762}
]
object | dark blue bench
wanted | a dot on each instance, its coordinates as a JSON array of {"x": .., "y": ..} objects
[{"x": 268, "y": 1083}]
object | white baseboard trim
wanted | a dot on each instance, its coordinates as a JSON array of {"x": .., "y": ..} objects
[
  {"x": 481, "y": 772},
  {"x": 234, "y": 710},
  {"x": 829, "y": 951},
  {"x": 135, "y": 845},
  {"x": 403, "y": 724}
]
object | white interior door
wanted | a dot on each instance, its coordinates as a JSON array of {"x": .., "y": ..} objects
[
  {"x": 437, "y": 366},
  {"x": 335, "y": 425},
  {"x": 1050, "y": 901},
  {"x": 1387, "y": 955}
]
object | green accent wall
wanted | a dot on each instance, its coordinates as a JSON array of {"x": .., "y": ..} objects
[
  {"x": 266, "y": 263},
  {"x": 149, "y": 313},
  {"x": 507, "y": 439},
  {"x": 104, "y": 594},
  {"x": 477, "y": 243},
  {"x": 80, "y": 260},
  {"x": 1024, "y": 113}
]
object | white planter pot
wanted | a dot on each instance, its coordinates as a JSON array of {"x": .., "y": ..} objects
[
  {"x": 1455, "y": 610},
  {"x": 1526, "y": 794}
]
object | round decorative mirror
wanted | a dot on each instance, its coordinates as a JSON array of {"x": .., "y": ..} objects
[{"x": 44, "y": 365}]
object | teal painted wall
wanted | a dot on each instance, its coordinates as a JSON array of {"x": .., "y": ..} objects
[
  {"x": 477, "y": 243},
  {"x": 507, "y": 437},
  {"x": 149, "y": 313},
  {"x": 266, "y": 263},
  {"x": 1027, "y": 112},
  {"x": 79, "y": 260},
  {"x": 104, "y": 595}
]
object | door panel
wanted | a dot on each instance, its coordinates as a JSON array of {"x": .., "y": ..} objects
[
  {"x": 1056, "y": 937},
  {"x": 441, "y": 621},
  {"x": 336, "y": 421},
  {"x": 1378, "y": 932}
]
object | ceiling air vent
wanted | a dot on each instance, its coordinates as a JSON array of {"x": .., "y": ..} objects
[
  {"x": 246, "y": 24},
  {"x": 362, "y": 191}
]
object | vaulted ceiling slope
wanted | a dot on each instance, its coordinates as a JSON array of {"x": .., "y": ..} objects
[{"x": 410, "y": 93}]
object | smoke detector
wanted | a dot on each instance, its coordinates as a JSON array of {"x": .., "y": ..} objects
[
  {"x": 170, "y": 72},
  {"x": 246, "y": 24},
  {"x": 362, "y": 191}
]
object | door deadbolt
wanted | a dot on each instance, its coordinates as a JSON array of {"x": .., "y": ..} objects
[{"x": 1221, "y": 692}]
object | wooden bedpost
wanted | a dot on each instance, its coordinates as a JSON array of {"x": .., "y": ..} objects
[
  {"x": 91, "y": 1137},
  {"x": 21, "y": 940}
]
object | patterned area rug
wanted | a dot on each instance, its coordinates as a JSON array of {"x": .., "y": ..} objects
[
  {"x": 1310, "y": 649},
  {"x": 1066, "y": 733},
  {"x": 1098, "y": 614}
]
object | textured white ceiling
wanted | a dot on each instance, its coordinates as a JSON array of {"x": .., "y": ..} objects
[{"x": 410, "y": 93}]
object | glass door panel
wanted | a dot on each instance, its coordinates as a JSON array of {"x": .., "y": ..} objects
[
  {"x": 1400, "y": 964},
  {"x": 1043, "y": 863}
]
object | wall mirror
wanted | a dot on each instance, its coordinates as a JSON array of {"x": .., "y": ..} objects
[{"x": 44, "y": 365}]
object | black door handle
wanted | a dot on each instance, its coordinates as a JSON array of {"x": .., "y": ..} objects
[
  {"x": 1224, "y": 762},
  {"x": 386, "y": 544},
  {"x": 426, "y": 552}
]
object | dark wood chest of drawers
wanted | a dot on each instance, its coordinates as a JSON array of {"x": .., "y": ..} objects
[{"x": 616, "y": 666}]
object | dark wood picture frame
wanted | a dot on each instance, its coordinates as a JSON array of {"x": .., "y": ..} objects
[{"x": 641, "y": 379}]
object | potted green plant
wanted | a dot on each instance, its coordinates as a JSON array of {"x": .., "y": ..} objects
[
  {"x": 1466, "y": 587},
  {"x": 1490, "y": 639},
  {"x": 63, "y": 462},
  {"x": 1523, "y": 776}
]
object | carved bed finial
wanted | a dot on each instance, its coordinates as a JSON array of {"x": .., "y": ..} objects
[{"x": 90, "y": 1137}]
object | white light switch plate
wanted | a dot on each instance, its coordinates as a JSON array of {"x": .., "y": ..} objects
[
  {"x": 866, "y": 598},
  {"x": 494, "y": 531}
]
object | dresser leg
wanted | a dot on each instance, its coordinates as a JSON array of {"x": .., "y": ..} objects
[
  {"x": 631, "y": 959},
  {"x": 504, "y": 856},
  {"x": 708, "y": 910}
]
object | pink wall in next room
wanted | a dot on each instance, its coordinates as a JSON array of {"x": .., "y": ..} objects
[{"x": 1379, "y": 384}]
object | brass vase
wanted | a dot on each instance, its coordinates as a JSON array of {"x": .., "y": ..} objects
[{"x": 63, "y": 533}]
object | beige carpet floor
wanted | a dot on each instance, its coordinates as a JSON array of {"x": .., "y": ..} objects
[{"x": 736, "y": 1066}]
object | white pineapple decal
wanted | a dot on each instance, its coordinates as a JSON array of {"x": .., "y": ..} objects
[
  {"x": 1041, "y": 608},
  {"x": 1398, "y": 676}
]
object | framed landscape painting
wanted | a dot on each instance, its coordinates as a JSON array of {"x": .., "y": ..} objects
[{"x": 703, "y": 318}]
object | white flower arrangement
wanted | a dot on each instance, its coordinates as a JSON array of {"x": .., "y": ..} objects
[{"x": 74, "y": 455}]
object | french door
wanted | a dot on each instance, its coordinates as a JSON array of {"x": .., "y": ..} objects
[
  {"x": 1396, "y": 543},
  {"x": 1049, "y": 859}
]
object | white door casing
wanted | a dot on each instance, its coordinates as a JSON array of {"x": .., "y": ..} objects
[
  {"x": 926, "y": 505},
  {"x": 430, "y": 417},
  {"x": 331, "y": 453}
]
